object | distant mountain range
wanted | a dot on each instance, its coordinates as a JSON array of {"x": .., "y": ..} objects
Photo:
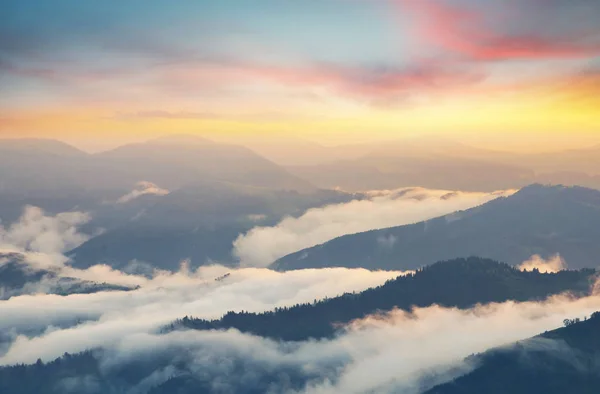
[
  {"x": 542, "y": 220},
  {"x": 58, "y": 177},
  {"x": 438, "y": 163},
  {"x": 208, "y": 193},
  {"x": 211, "y": 192},
  {"x": 170, "y": 162}
]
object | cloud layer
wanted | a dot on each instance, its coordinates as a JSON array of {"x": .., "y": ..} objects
[
  {"x": 390, "y": 353},
  {"x": 393, "y": 352},
  {"x": 500, "y": 32},
  {"x": 37, "y": 232},
  {"x": 262, "y": 245}
]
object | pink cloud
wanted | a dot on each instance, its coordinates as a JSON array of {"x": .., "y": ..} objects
[
  {"x": 468, "y": 32},
  {"x": 373, "y": 84}
]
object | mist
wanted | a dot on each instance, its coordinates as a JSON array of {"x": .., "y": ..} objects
[
  {"x": 552, "y": 264},
  {"x": 37, "y": 232},
  {"x": 260, "y": 246},
  {"x": 383, "y": 353},
  {"x": 143, "y": 188},
  {"x": 392, "y": 352}
]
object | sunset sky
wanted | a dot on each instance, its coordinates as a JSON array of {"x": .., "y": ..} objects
[{"x": 502, "y": 74}]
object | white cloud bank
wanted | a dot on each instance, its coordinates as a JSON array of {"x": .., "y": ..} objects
[
  {"x": 141, "y": 189},
  {"x": 261, "y": 246},
  {"x": 553, "y": 264},
  {"x": 387, "y": 353},
  {"x": 37, "y": 232}
]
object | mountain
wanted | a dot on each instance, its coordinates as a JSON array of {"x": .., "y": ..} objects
[
  {"x": 427, "y": 162},
  {"x": 58, "y": 177},
  {"x": 566, "y": 360},
  {"x": 460, "y": 283},
  {"x": 45, "y": 173},
  {"x": 40, "y": 146},
  {"x": 586, "y": 160},
  {"x": 175, "y": 161},
  {"x": 198, "y": 222},
  {"x": 439, "y": 163},
  {"x": 294, "y": 151},
  {"x": 195, "y": 197},
  {"x": 542, "y": 220}
]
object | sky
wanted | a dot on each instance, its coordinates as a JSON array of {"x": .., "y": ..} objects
[{"x": 497, "y": 73}]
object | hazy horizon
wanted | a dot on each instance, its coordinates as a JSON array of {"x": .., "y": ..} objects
[
  {"x": 519, "y": 146},
  {"x": 500, "y": 75}
]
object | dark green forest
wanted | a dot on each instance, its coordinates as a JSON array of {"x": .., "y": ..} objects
[{"x": 460, "y": 283}]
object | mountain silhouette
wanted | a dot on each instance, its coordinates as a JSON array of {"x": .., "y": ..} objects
[{"x": 542, "y": 220}]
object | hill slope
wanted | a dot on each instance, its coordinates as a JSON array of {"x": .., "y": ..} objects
[
  {"x": 458, "y": 283},
  {"x": 173, "y": 162},
  {"x": 199, "y": 222},
  {"x": 57, "y": 177},
  {"x": 544, "y": 220},
  {"x": 445, "y": 164},
  {"x": 566, "y": 360},
  {"x": 215, "y": 192}
]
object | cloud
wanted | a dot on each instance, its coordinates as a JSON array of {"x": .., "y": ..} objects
[
  {"x": 161, "y": 298},
  {"x": 143, "y": 188},
  {"x": 395, "y": 352},
  {"x": 411, "y": 344},
  {"x": 392, "y": 352},
  {"x": 37, "y": 232},
  {"x": 387, "y": 242},
  {"x": 373, "y": 84},
  {"x": 168, "y": 296},
  {"x": 379, "y": 84},
  {"x": 454, "y": 38},
  {"x": 507, "y": 30},
  {"x": 36, "y": 243},
  {"x": 159, "y": 114},
  {"x": 262, "y": 245},
  {"x": 553, "y": 264}
]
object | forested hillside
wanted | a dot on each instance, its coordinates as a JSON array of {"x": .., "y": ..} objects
[
  {"x": 562, "y": 361},
  {"x": 460, "y": 283}
]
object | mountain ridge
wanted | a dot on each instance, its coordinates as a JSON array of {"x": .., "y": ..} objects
[
  {"x": 461, "y": 283},
  {"x": 537, "y": 220}
]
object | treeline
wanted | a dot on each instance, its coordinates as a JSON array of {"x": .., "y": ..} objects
[{"x": 460, "y": 283}]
